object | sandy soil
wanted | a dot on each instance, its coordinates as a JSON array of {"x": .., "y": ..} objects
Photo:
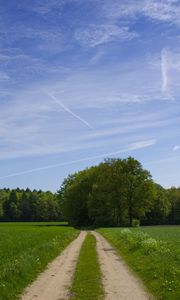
[
  {"x": 55, "y": 282},
  {"x": 119, "y": 283}
]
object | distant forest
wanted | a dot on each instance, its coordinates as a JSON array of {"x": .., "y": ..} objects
[{"x": 117, "y": 192}]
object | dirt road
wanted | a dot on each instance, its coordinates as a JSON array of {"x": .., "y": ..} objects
[
  {"x": 119, "y": 283},
  {"x": 54, "y": 283}
]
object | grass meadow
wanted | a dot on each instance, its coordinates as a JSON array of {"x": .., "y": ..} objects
[
  {"x": 153, "y": 253},
  {"x": 25, "y": 250}
]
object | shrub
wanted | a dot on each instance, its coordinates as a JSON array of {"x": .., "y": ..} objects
[
  {"x": 135, "y": 223},
  {"x": 149, "y": 245}
]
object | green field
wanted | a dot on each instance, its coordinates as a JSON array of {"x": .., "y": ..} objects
[
  {"x": 25, "y": 250},
  {"x": 153, "y": 253}
]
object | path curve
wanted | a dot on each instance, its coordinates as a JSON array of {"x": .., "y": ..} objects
[
  {"x": 55, "y": 282},
  {"x": 119, "y": 283}
]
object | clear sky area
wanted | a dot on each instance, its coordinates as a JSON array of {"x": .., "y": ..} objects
[{"x": 82, "y": 80}]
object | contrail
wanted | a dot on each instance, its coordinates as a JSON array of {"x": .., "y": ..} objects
[
  {"x": 61, "y": 104},
  {"x": 164, "y": 70},
  {"x": 135, "y": 146}
]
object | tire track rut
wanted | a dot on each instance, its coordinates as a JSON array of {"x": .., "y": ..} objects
[
  {"x": 119, "y": 283},
  {"x": 55, "y": 282}
]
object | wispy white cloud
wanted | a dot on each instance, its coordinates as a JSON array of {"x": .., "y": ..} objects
[
  {"x": 40, "y": 38},
  {"x": 129, "y": 128},
  {"x": 132, "y": 147},
  {"x": 163, "y": 11},
  {"x": 32, "y": 118},
  {"x": 20, "y": 149},
  {"x": 166, "y": 10},
  {"x": 96, "y": 35},
  {"x": 144, "y": 96},
  {"x": 4, "y": 76},
  {"x": 165, "y": 61},
  {"x": 97, "y": 57},
  {"x": 169, "y": 159},
  {"x": 136, "y": 82},
  {"x": 165, "y": 115},
  {"x": 17, "y": 32},
  {"x": 46, "y": 7},
  {"x": 176, "y": 147},
  {"x": 6, "y": 57}
]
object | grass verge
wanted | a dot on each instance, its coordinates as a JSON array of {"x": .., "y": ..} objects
[
  {"x": 87, "y": 283},
  {"x": 154, "y": 254},
  {"x": 25, "y": 250}
]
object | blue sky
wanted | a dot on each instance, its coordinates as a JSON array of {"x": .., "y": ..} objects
[{"x": 83, "y": 80}]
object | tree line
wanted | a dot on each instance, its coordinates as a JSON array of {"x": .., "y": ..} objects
[
  {"x": 27, "y": 205},
  {"x": 117, "y": 192}
]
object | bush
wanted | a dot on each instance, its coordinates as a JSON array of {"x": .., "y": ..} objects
[
  {"x": 135, "y": 223},
  {"x": 150, "y": 245}
]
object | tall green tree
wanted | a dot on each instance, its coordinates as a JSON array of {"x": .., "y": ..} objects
[
  {"x": 173, "y": 195},
  {"x": 138, "y": 189},
  {"x": 11, "y": 207},
  {"x": 161, "y": 208},
  {"x": 74, "y": 198},
  {"x": 112, "y": 193}
]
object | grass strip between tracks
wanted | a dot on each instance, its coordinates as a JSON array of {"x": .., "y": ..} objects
[{"x": 87, "y": 284}]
